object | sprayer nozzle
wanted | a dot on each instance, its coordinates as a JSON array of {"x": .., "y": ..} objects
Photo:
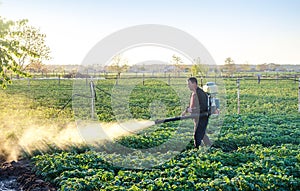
[{"x": 158, "y": 121}]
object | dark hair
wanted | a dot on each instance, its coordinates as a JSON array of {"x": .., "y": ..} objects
[{"x": 193, "y": 80}]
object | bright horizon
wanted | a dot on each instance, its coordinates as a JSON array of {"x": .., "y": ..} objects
[{"x": 253, "y": 32}]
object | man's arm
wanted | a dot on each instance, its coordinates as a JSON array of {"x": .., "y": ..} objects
[{"x": 191, "y": 106}]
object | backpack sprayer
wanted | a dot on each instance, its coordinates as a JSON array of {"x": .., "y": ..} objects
[{"x": 213, "y": 108}]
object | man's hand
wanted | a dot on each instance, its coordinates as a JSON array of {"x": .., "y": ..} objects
[{"x": 188, "y": 110}]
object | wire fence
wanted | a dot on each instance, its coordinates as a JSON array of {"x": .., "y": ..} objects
[{"x": 180, "y": 80}]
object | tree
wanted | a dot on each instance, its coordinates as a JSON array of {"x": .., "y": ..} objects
[
  {"x": 118, "y": 64},
  {"x": 176, "y": 61},
  {"x": 9, "y": 54},
  {"x": 229, "y": 66},
  {"x": 33, "y": 41},
  {"x": 61, "y": 70},
  {"x": 262, "y": 67},
  {"x": 273, "y": 66},
  {"x": 36, "y": 66},
  {"x": 20, "y": 44},
  {"x": 199, "y": 68},
  {"x": 246, "y": 67}
]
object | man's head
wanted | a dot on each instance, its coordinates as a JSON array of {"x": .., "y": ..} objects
[{"x": 192, "y": 83}]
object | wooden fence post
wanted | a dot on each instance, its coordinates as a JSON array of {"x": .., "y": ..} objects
[
  {"x": 117, "y": 79},
  {"x": 299, "y": 96},
  {"x": 93, "y": 99},
  {"x": 238, "y": 95}
]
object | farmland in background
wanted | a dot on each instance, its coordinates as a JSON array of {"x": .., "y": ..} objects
[{"x": 257, "y": 149}]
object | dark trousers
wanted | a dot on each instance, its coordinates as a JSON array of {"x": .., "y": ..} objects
[{"x": 200, "y": 125}]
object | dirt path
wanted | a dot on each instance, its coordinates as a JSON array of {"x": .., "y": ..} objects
[{"x": 17, "y": 176}]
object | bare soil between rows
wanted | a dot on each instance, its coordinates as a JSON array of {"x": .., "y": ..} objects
[{"x": 19, "y": 176}]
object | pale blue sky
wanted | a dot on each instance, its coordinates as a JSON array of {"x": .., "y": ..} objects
[{"x": 253, "y": 31}]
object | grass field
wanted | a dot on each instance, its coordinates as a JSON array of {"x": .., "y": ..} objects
[{"x": 257, "y": 149}]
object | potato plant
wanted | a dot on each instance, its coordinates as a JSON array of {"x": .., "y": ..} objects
[{"x": 255, "y": 150}]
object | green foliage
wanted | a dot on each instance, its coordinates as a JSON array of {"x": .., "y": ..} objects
[
  {"x": 199, "y": 68},
  {"x": 118, "y": 65},
  {"x": 19, "y": 44},
  {"x": 229, "y": 66},
  {"x": 32, "y": 45},
  {"x": 8, "y": 53},
  {"x": 269, "y": 97},
  {"x": 252, "y": 167},
  {"x": 152, "y": 95},
  {"x": 256, "y": 150}
]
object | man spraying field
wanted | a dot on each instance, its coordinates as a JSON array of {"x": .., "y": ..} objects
[{"x": 198, "y": 105}]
